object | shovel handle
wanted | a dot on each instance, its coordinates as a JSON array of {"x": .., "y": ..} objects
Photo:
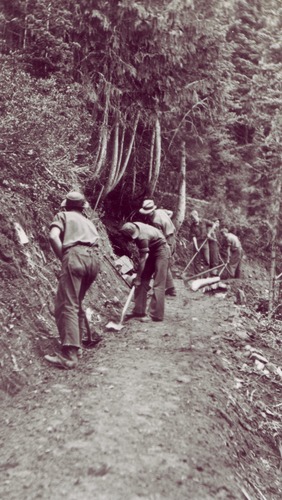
[
  {"x": 188, "y": 278},
  {"x": 128, "y": 300},
  {"x": 190, "y": 261}
]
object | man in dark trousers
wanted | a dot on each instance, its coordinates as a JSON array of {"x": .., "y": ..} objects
[
  {"x": 161, "y": 219},
  {"x": 234, "y": 253},
  {"x": 74, "y": 240},
  {"x": 212, "y": 227},
  {"x": 198, "y": 234},
  {"x": 154, "y": 259}
]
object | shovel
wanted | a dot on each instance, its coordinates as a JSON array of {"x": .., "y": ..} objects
[{"x": 118, "y": 326}]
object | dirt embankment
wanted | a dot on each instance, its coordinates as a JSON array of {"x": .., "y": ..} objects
[{"x": 172, "y": 410}]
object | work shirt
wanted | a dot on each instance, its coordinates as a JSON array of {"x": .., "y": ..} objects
[
  {"x": 75, "y": 229},
  {"x": 161, "y": 220},
  {"x": 149, "y": 239},
  {"x": 233, "y": 241},
  {"x": 211, "y": 230},
  {"x": 199, "y": 230}
]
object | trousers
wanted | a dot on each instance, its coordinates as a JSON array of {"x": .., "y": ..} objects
[
  {"x": 234, "y": 266},
  {"x": 156, "y": 265},
  {"x": 80, "y": 267},
  {"x": 169, "y": 280},
  {"x": 214, "y": 254},
  {"x": 202, "y": 259}
]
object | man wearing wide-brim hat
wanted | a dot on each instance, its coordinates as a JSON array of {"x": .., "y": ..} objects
[
  {"x": 74, "y": 199},
  {"x": 74, "y": 240},
  {"x": 161, "y": 219}
]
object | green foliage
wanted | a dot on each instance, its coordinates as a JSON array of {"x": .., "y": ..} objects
[
  {"x": 44, "y": 126},
  {"x": 257, "y": 96}
]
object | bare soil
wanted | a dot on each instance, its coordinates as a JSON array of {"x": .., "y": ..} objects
[{"x": 171, "y": 410}]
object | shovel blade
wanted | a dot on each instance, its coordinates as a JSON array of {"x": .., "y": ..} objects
[{"x": 114, "y": 326}]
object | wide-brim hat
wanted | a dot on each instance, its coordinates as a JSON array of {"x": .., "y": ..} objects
[
  {"x": 74, "y": 199},
  {"x": 148, "y": 207}
]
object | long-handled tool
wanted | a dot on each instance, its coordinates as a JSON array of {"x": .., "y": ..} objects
[
  {"x": 91, "y": 341},
  {"x": 118, "y": 326},
  {"x": 195, "y": 255},
  {"x": 223, "y": 269},
  {"x": 204, "y": 242},
  {"x": 188, "y": 278}
]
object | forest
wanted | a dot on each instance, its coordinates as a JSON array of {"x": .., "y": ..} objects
[
  {"x": 136, "y": 99},
  {"x": 179, "y": 101}
]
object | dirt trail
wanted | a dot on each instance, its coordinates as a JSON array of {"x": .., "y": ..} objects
[{"x": 143, "y": 417}]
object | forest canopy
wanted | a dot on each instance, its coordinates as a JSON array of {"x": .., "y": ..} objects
[{"x": 112, "y": 92}]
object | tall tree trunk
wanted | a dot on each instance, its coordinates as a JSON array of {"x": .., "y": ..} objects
[
  {"x": 157, "y": 158},
  {"x": 122, "y": 170},
  {"x": 181, "y": 202},
  {"x": 103, "y": 139},
  {"x": 114, "y": 163},
  {"x": 134, "y": 181},
  {"x": 121, "y": 147},
  {"x": 25, "y": 26},
  {"x": 275, "y": 212},
  {"x": 152, "y": 149}
]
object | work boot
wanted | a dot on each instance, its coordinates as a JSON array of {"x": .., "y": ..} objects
[
  {"x": 171, "y": 292},
  {"x": 70, "y": 352},
  {"x": 134, "y": 315},
  {"x": 145, "y": 319},
  {"x": 60, "y": 361}
]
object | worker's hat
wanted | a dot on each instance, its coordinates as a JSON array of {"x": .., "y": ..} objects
[
  {"x": 148, "y": 207},
  {"x": 74, "y": 199}
]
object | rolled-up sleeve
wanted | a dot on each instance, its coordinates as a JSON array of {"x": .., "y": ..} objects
[{"x": 58, "y": 221}]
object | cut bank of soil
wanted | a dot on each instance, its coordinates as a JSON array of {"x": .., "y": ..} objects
[{"x": 151, "y": 413}]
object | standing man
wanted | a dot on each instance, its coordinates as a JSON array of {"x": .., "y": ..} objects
[
  {"x": 213, "y": 245},
  {"x": 234, "y": 253},
  {"x": 74, "y": 240},
  {"x": 199, "y": 236},
  {"x": 161, "y": 219},
  {"x": 154, "y": 258}
]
